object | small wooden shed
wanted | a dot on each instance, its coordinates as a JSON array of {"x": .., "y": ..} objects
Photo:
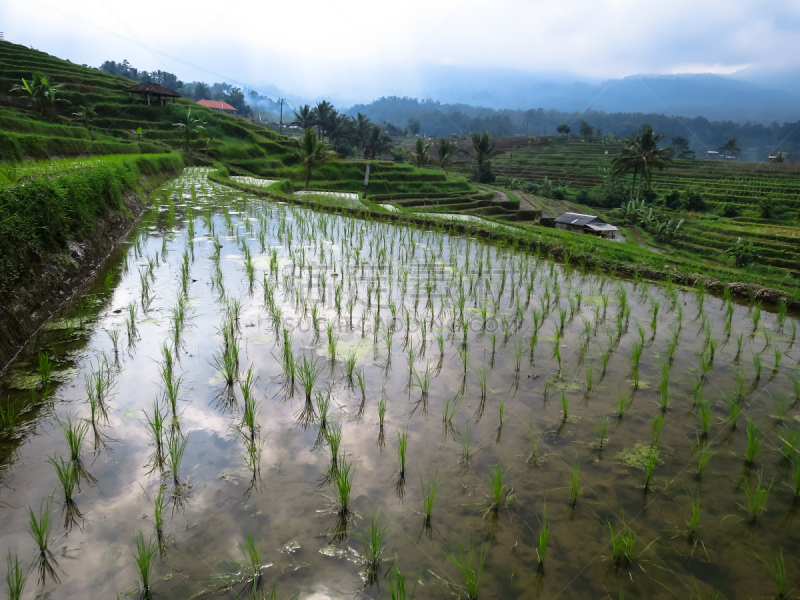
[
  {"x": 149, "y": 90},
  {"x": 585, "y": 224}
]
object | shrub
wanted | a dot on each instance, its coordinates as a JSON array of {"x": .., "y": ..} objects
[
  {"x": 486, "y": 177},
  {"x": 766, "y": 208},
  {"x": 672, "y": 200},
  {"x": 694, "y": 201},
  {"x": 559, "y": 193},
  {"x": 730, "y": 210}
]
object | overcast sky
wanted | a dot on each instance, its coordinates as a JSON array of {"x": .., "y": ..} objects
[{"x": 356, "y": 51}]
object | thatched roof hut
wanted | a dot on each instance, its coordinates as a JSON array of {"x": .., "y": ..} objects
[{"x": 148, "y": 89}]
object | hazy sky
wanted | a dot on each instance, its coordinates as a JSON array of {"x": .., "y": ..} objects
[{"x": 356, "y": 51}]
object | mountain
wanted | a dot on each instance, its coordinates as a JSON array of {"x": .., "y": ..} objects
[{"x": 750, "y": 97}]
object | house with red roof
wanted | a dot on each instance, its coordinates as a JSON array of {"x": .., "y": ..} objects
[{"x": 219, "y": 105}]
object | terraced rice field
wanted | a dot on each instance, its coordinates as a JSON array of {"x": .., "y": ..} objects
[{"x": 256, "y": 394}]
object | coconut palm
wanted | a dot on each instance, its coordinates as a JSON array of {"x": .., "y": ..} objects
[
  {"x": 420, "y": 155},
  {"x": 482, "y": 150},
  {"x": 326, "y": 114},
  {"x": 377, "y": 143},
  {"x": 445, "y": 152},
  {"x": 731, "y": 146},
  {"x": 304, "y": 117},
  {"x": 189, "y": 125},
  {"x": 640, "y": 154},
  {"x": 313, "y": 153},
  {"x": 361, "y": 128}
]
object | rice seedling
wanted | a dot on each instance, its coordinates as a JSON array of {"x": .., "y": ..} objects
[
  {"x": 482, "y": 374},
  {"x": 343, "y": 485},
  {"x": 423, "y": 382},
  {"x": 778, "y": 357},
  {"x": 739, "y": 343},
  {"x": 544, "y": 538},
  {"x": 373, "y": 548},
  {"x": 757, "y": 365},
  {"x": 499, "y": 493},
  {"x": 756, "y": 315},
  {"x": 734, "y": 410},
  {"x": 781, "y": 405},
  {"x": 741, "y": 379},
  {"x": 703, "y": 456},
  {"x": 790, "y": 442},
  {"x": 382, "y": 411},
  {"x": 469, "y": 564},
  {"x": 176, "y": 446},
  {"x": 589, "y": 377},
  {"x": 402, "y": 447},
  {"x": 796, "y": 385},
  {"x": 307, "y": 374},
  {"x": 756, "y": 499},
  {"x": 40, "y": 529},
  {"x": 428, "y": 497},
  {"x": 16, "y": 577},
  {"x": 574, "y": 482},
  {"x": 143, "y": 558},
  {"x": 754, "y": 443},
  {"x": 622, "y": 545},
  {"x": 656, "y": 424},
  {"x": 693, "y": 522},
  {"x": 397, "y": 584},
  {"x": 564, "y": 406},
  {"x": 75, "y": 434},
  {"x": 45, "y": 369},
  {"x": 333, "y": 435},
  {"x": 362, "y": 384},
  {"x": 604, "y": 356},
  {"x": 600, "y": 431},
  {"x": 623, "y": 401},
  {"x": 226, "y": 362},
  {"x": 9, "y": 417},
  {"x": 663, "y": 387},
  {"x": 158, "y": 518},
  {"x": 777, "y": 570},
  {"x": 154, "y": 423}
]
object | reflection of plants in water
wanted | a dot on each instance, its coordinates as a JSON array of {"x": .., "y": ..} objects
[
  {"x": 373, "y": 548},
  {"x": 40, "y": 529},
  {"x": 248, "y": 579},
  {"x": 67, "y": 474}
]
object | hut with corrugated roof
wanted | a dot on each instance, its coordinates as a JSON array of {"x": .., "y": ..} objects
[{"x": 585, "y": 224}]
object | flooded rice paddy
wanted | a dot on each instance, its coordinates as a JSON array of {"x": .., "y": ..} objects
[{"x": 250, "y": 386}]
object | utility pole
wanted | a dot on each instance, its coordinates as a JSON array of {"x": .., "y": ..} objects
[{"x": 281, "y": 100}]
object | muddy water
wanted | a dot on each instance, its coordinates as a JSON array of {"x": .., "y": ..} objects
[{"x": 290, "y": 510}]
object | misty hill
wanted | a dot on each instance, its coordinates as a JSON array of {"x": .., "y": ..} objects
[{"x": 753, "y": 97}]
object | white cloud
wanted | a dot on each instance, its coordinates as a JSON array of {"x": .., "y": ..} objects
[{"x": 356, "y": 49}]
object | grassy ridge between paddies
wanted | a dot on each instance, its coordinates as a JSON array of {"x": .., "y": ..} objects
[
  {"x": 39, "y": 217},
  {"x": 579, "y": 250}
]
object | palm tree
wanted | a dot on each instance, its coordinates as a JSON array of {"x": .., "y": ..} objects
[
  {"x": 189, "y": 125},
  {"x": 377, "y": 143},
  {"x": 313, "y": 153},
  {"x": 446, "y": 151},
  {"x": 304, "y": 117},
  {"x": 85, "y": 114},
  {"x": 362, "y": 129},
  {"x": 325, "y": 115},
  {"x": 420, "y": 156},
  {"x": 341, "y": 127},
  {"x": 483, "y": 150},
  {"x": 640, "y": 153},
  {"x": 731, "y": 146}
]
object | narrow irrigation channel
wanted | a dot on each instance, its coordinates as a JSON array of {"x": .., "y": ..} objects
[{"x": 258, "y": 394}]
